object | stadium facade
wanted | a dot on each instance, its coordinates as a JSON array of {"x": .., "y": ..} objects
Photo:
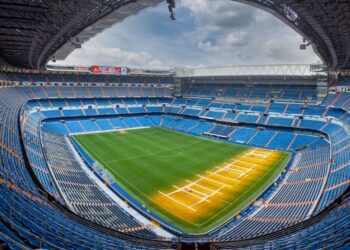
[{"x": 56, "y": 195}]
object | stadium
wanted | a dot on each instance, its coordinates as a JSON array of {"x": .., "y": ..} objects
[{"x": 117, "y": 157}]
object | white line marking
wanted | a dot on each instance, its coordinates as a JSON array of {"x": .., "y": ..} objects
[
  {"x": 195, "y": 183},
  {"x": 221, "y": 176},
  {"x": 194, "y": 190},
  {"x": 187, "y": 192},
  {"x": 177, "y": 201},
  {"x": 214, "y": 181},
  {"x": 232, "y": 167},
  {"x": 228, "y": 169},
  {"x": 207, "y": 197}
]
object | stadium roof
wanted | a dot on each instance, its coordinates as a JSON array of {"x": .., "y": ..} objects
[
  {"x": 252, "y": 70},
  {"x": 32, "y": 32},
  {"x": 325, "y": 24}
]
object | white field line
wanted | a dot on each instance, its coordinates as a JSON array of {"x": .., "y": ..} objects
[
  {"x": 244, "y": 193},
  {"x": 195, "y": 183},
  {"x": 207, "y": 197},
  {"x": 184, "y": 187},
  {"x": 229, "y": 167},
  {"x": 261, "y": 155},
  {"x": 250, "y": 163},
  {"x": 237, "y": 166},
  {"x": 221, "y": 176},
  {"x": 214, "y": 181},
  {"x": 245, "y": 157},
  {"x": 187, "y": 192},
  {"x": 232, "y": 168},
  {"x": 261, "y": 152},
  {"x": 177, "y": 201},
  {"x": 227, "y": 170},
  {"x": 191, "y": 189},
  {"x": 179, "y": 189},
  {"x": 244, "y": 168}
]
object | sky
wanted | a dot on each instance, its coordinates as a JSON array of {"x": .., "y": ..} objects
[{"x": 206, "y": 33}]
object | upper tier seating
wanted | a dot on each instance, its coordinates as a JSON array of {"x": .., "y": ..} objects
[
  {"x": 264, "y": 92},
  {"x": 339, "y": 100},
  {"x": 69, "y": 92}
]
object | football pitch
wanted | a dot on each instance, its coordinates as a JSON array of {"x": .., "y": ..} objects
[{"x": 193, "y": 183}]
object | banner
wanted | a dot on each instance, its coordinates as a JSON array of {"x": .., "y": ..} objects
[
  {"x": 108, "y": 70},
  {"x": 81, "y": 68},
  {"x": 67, "y": 68},
  {"x": 95, "y": 69}
]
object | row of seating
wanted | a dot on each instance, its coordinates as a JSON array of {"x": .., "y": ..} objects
[
  {"x": 86, "y": 102},
  {"x": 340, "y": 100},
  {"x": 115, "y": 91},
  {"x": 68, "y": 78},
  {"x": 259, "y": 91}
]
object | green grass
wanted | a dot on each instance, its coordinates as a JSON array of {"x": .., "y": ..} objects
[{"x": 148, "y": 160}]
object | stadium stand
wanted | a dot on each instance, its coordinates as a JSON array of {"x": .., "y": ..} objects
[
  {"x": 93, "y": 204},
  {"x": 46, "y": 224},
  {"x": 48, "y": 114},
  {"x": 242, "y": 136},
  {"x": 54, "y": 196}
]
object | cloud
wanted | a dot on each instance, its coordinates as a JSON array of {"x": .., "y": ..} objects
[
  {"x": 286, "y": 51},
  {"x": 208, "y": 46},
  {"x": 207, "y": 32},
  {"x": 237, "y": 39},
  {"x": 242, "y": 34},
  {"x": 220, "y": 14},
  {"x": 93, "y": 53}
]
